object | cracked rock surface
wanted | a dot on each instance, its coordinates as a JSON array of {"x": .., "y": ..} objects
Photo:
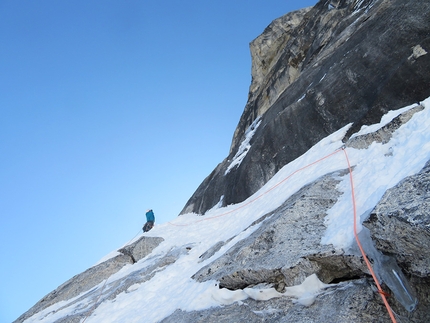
[
  {"x": 287, "y": 248},
  {"x": 400, "y": 223}
]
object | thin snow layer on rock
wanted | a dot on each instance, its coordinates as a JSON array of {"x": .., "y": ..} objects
[
  {"x": 171, "y": 287},
  {"x": 244, "y": 146}
]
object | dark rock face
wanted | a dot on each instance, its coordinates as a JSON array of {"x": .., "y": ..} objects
[{"x": 340, "y": 62}]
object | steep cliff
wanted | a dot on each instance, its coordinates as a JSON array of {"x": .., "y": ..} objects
[
  {"x": 277, "y": 240},
  {"x": 286, "y": 254},
  {"x": 314, "y": 71}
]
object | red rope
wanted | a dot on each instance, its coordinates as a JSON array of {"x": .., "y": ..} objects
[
  {"x": 261, "y": 195},
  {"x": 369, "y": 266}
]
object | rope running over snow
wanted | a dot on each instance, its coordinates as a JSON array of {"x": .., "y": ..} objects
[
  {"x": 369, "y": 266},
  {"x": 381, "y": 292}
]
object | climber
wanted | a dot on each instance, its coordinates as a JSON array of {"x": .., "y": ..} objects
[{"x": 150, "y": 219}]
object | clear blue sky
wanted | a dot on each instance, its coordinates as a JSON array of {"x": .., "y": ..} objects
[{"x": 109, "y": 108}]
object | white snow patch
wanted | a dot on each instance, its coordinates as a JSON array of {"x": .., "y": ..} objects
[
  {"x": 304, "y": 293},
  {"x": 244, "y": 146},
  {"x": 376, "y": 171},
  {"x": 225, "y": 296},
  {"x": 307, "y": 291},
  {"x": 388, "y": 117}
]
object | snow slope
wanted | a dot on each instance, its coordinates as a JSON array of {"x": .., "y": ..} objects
[{"x": 376, "y": 169}]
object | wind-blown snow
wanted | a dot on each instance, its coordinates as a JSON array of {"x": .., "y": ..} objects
[{"x": 376, "y": 169}]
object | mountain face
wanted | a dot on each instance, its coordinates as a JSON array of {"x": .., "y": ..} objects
[
  {"x": 287, "y": 252},
  {"x": 314, "y": 71}
]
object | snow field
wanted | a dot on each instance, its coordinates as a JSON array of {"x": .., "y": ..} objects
[{"x": 376, "y": 169}]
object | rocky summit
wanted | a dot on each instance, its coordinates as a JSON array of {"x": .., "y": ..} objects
[{"x": 325, "y": 81}]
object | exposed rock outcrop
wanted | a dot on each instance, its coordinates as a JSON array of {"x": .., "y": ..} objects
[
  {"x": 87, "y": 280},
  {"x": 400, "y": 223},
  {"x": 287, "y": 248},
  {"x": 339, "y": 62},
  {"x": 265, "y": 54},
  {"x": 353, "y": 301},
  {"x": 384, "y": 134},
  {"x": 140, "y": 248}
]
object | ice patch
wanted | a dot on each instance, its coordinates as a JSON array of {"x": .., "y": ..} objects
[
  {"x": 302, "y": 97},
  {"x": 244, "y": 146}
]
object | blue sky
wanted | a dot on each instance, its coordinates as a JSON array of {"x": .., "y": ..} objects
[{"x": 109, "y": 108}]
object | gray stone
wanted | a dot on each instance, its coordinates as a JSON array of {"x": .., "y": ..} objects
[
  {"x": 287, "y": 248},
  {"x": 353, "y": 301},
  {"x": 87, "y": 280},
  {"x": 265, "y": 54},
  {"x": 210, "y": 252},
  {"x": 141, "y": 248},
  {"x": 400, "y": 223}
]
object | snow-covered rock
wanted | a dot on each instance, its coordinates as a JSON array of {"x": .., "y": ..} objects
[{"x": 336, "y": 134}]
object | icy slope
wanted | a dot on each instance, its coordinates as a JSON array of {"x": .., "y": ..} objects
[{"x": 169, "y": 286}]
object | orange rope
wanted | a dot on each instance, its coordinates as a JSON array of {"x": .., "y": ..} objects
[
  {"x": 261, "y": 195},
  {"x": 369, "y": 266}
]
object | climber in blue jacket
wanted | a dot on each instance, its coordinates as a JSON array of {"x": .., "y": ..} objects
[{"x": 150, "y": 219}]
